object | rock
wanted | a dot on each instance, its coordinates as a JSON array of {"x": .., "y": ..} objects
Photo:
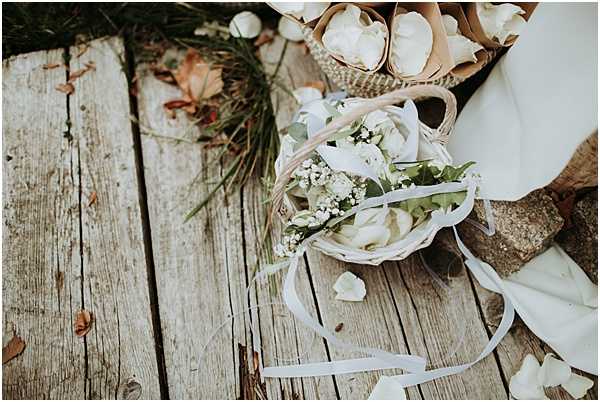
[
  {"x": 524, "y": 229},
  {"x": 580, "y": 241}
]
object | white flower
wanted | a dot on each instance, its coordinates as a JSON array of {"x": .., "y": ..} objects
[
  {"x": 462, "y": 49},
  {"x": 388, "y": 389},
  {"x": 500, "y": 21},
  {"x": 354, "y": 37},
  {"x": 450, "y": 25},
  {"x": 301, "y": 219},
  {"x": 411, "y": 44},
  {"x": 372, "y": 156},
  {"x": 349, "y": 287},
  {"x": 373, "y": 119},
  {"x": 392, "y": 142},
  {"x": 340, "y": 186},
  {"x": 245, "y": 25},
  {"x": 524, "y": 384},
  {"x": 290, "y": 30},
  {"x": 368, "y": 231}
]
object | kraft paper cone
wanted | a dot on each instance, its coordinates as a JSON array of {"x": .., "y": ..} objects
[
  {"x": 324, "y": 20},
  {"x": 440, "y": 60},
  {"x": 473, "y": 19},
  {"x": 465, "y": 70}
]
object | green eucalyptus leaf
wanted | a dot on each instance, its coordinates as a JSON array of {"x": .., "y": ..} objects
[
  {"x": 446, "y": 200},
  {"x": 451, "y": 173},
  {"x": 298, "y": 132}
]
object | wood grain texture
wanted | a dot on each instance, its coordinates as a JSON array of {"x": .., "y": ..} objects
[
  {"x": 41, "y": 287},
  {"x": 199, "y": 264},
  {"x": 114, "y": 275}
]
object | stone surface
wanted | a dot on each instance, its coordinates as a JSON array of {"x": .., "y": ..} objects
[
  {"x": 580, "y": 241},
  {"x": 524, "y": 229}
]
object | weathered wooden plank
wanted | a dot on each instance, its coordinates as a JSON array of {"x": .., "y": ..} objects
[
  {"x": 41, "y": 287},
  {"x": 519, "y": 342},
  {"x": 114, "y": 274},
  {"x": 199, "y": 264}
]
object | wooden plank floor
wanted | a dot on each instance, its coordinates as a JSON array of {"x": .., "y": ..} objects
[{"x": 161, "y": 289}]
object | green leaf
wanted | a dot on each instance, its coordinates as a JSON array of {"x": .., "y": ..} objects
[
  {"x": 331, "y": 109},
  {"x": 298, "y": 132},
  {"x": 455, "y": 173},
  {"x": 446, "y": 200}
]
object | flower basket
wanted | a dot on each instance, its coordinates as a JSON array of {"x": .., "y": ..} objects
[{"x": 430, "y": 146}]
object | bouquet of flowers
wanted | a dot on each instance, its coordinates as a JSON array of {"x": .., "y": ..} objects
[{"x": 364, "y": 181}]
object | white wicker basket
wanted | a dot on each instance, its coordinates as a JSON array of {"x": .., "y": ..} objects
[{"x": 431, "y": 145}]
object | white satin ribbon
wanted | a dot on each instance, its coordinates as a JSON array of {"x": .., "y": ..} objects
[{"x": 381, "y": 359}]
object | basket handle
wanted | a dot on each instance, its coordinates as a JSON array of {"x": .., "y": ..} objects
[{"x": 439, "y": 134}]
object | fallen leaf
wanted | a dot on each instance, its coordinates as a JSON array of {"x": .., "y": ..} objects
[
  {"x": 83, "y": 50},
  {"x": 93, "y": 199},
  {"x": 67, "y": 88},
  {"x": 13, "y": 348},
  {"x": 339, "y": 327},
  {"x": 196, "y": 78},
  {"x": 163, "y": 74},
  {"x": 265, "y": 36},
  {"x": 90, "y": 65},
  {"x": 130, "y": 390},
  {"x": 255, "y": 361},
  {"x": 76, "y": 74},
  {"x": 320, "y": 85},
  {"x": 176, "y": 104},
  {"x": 50, "y": 66},
  {"x": 83, "y": 323}
]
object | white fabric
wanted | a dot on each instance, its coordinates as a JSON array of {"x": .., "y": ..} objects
[
  {"x": 559, "y": 303},
  {"x": 538, "y": 104}
]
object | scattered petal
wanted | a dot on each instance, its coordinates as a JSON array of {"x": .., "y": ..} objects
[
  {"x": 388, "y": 389},
  {"x": 411, "y": 44},
  {"x": 463, "y": 49},
  {"x": 524, "y": 384},
  {"x": 245, "y": 25},
  {"x": 501, "y": 21},
  {"x": 450, "y": 25},
  {"x": 349, "y": 287},
  {"x": 67, "y": 88},
  {"x": 306, "y": 94},
  {"x": 130, "y": 390},
  {"x": 577, "y": 385},
  {"x": 553, "y": 372},
  {"x": 196, "y": 78},
  {"x": 83, "y": 323},
  {"x": 73, "y": 75},
  {"x": 13, "y": 348},
  {"x": 290, "y": 30}
]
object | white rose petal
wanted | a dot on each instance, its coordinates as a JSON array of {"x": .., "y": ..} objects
[
  {"x": 372, "y": 236},
  {"x": 450, "y": 25},
  {"x": 355, "y": 38},
  {"x": 401, "y": 225},
  {"x": 553, "y": 372},
  {"x": 375, "y": 118},
  {"x": 290, "y": 30},
  {"x": 245, "y": 25},
  {"x": 524, "y": 384},
  {"x": 577, "y": 385},
  {"x": 312, "y": 11},
  {"x": 412, "y": 43},
  {"x": 301, "y": 219},
  {"x": 500, "y": 21},
  {"x": 349, "y": 287},
  {"x": 291, "y": 8},
  {"x": 369, "y": 216},
  {"x": 392, "y": 143},
  {"x": 372, "y": 156},
  {"x": 387, "y": 389},
  {"x": 306, "y": 94},
  {"x": 463, "y": 49}
]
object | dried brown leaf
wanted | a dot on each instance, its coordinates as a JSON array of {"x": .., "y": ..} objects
[
  {"x": 176, "y": 104},
  {"x": 196, "y": 78},
  {"x": 50, "y": 66},
  {"x": 90, "y": 65},
  {"x": 83, "y": 323},
  {"x": 164, "y": 74},
  {"x": 339, "y": 327},
  {"x": 255, "y": 361},
  {"x": 13, "y": 348},
  {"x": 67, "y": 88},
  {"x": 93, "y": 198},
  {"x": 76, "y": 74},
  {"x": 82, "y": 50},
  {"x": 265, "y": 36},
  {"x": 320, "y": 85}
]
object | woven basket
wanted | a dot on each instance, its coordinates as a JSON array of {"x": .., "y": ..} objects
[
  {"x": 432, "y": 141},
  {"x": 362, "y": 84}
]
